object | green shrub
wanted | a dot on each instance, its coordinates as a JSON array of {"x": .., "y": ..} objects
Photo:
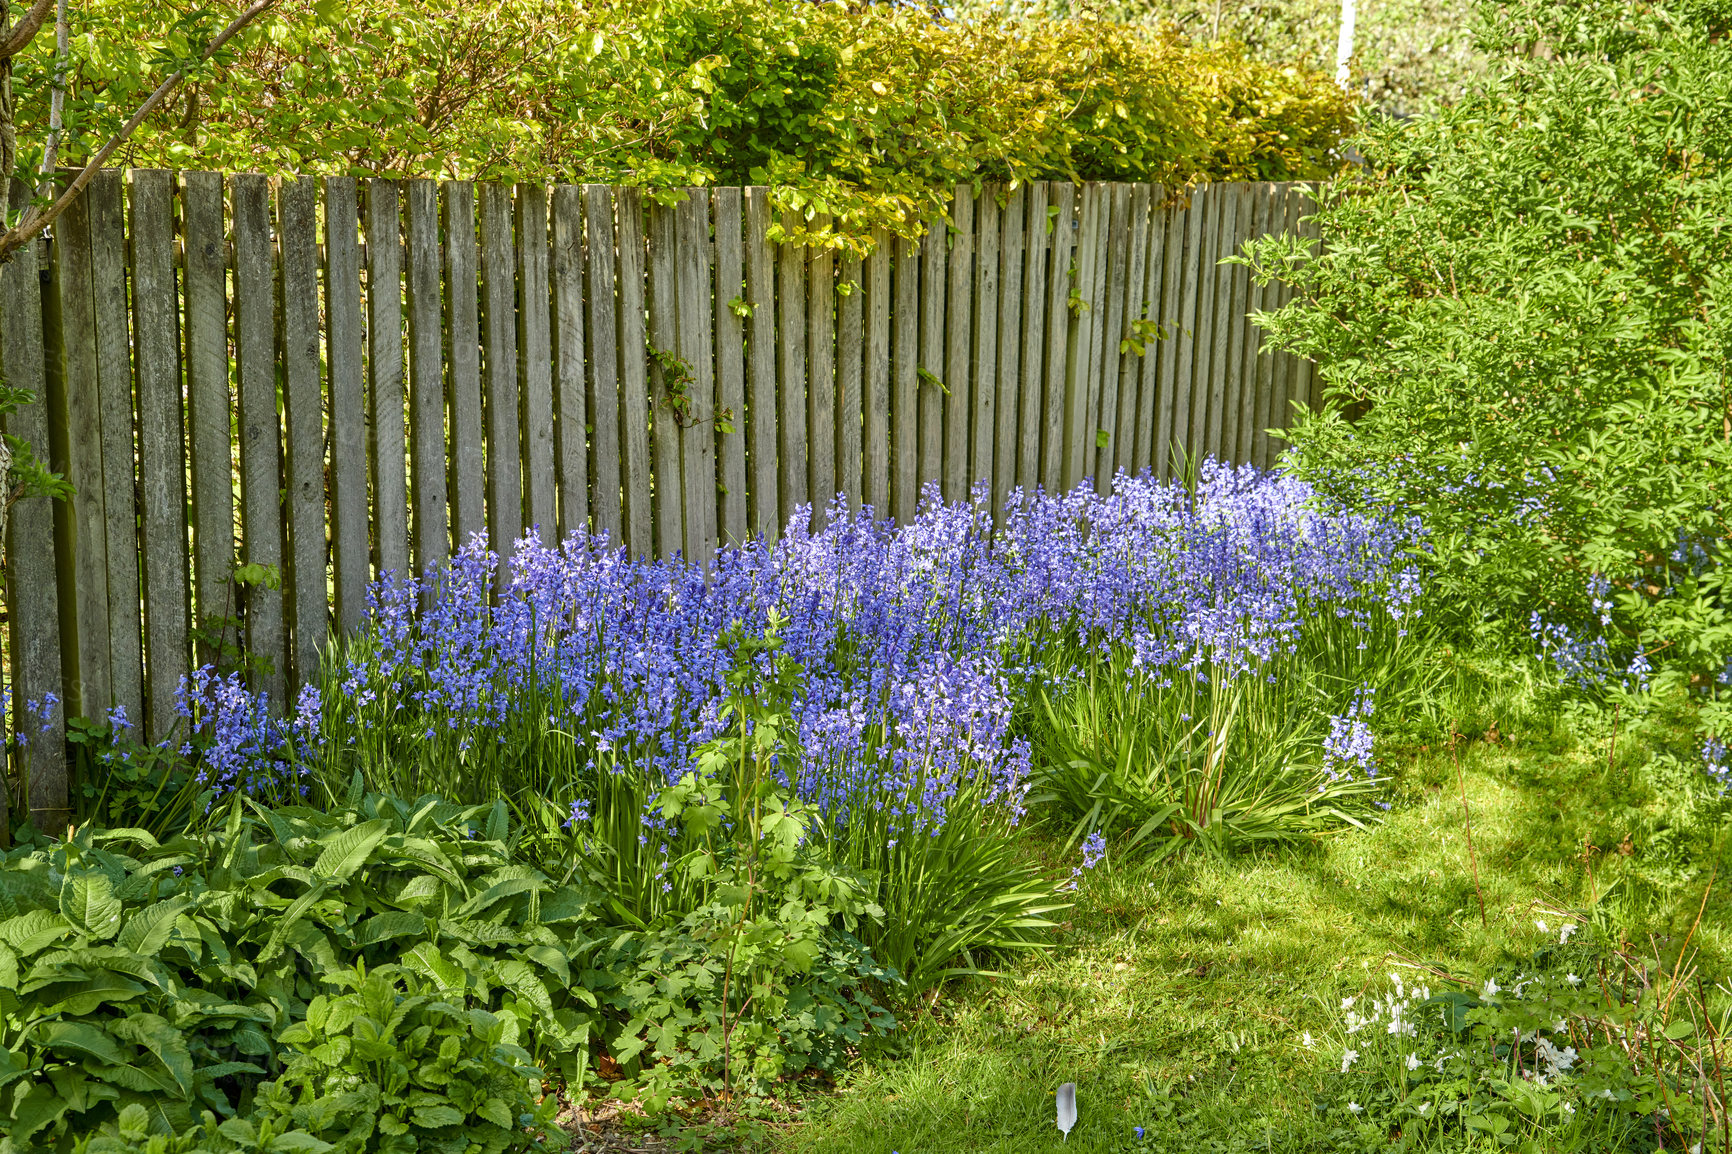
[
  {"x": 872, "y": 112},
  {"x": 1520, "y": 313},
  {"x": 174, "y": 976}
]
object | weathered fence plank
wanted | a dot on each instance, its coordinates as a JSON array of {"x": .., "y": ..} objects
[
  {"x": 905, "y": 385},
  {"x": 571, "y": 450},
  {"x": 161, "y": 448},
  {"x": 984, "y": 387},
  {"x": 634, "y": 415},
  {"x": 664, "y": 369},
  {"x": 929, "y": 451},
  {"x": 1032, "y": 360},
  {"x": 791, "y": 325},
  {"x": 260, "y": 436},
  {"x": 535, "y": 365},
  {"x": 606, "y": 499},
  {"x": 697, "y": 434},
  {"x": 304, "y": 424},
  {"x": 350, "y": 553},
  {"x": 74, "y": 393},
  {"x": 820, "y": 377},
  {"x": 501, "y": 388},
  {"x": 385, "y": 379},
  {"x": 430, "y": 494},
  {"x": 875, "y": 390},
  {"x": 467, "y": 474},
  {"x": 850, "y": 337},
  {"x": 208, "y": 416},
  {"x": 1007, "y": 451},
  {"x": 120, "y": 487},
  {"x": 1060, "y": 281},
  {"x": 730, "y": 447},
  {"x": 763, "y": 505},
  {"x": 957, "y": 333}
]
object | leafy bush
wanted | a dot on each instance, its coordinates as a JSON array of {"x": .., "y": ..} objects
[
  {"x": 172, "y": 976},
  {"x": 1519, "y": 311},
  {"x": 872, "y": 112}
]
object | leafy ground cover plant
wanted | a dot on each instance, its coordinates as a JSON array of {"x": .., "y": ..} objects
[
  {"x": 178, "y": 976},
  {"x": 1577, "y": 1048}
]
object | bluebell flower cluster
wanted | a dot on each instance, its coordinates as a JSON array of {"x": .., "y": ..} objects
[
  {"x": 915, "y": 642},
  {"x": 1715, "y": 762},
  {"x": 1348, "y": 748}
]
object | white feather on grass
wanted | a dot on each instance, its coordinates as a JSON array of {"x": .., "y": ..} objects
[{"x": 1067, "y": 1108}]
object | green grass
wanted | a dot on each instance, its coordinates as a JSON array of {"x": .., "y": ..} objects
[{"x": 1179, "y": 992}]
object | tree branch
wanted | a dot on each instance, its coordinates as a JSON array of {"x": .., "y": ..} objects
[
  {"x": 25, "y": 30},
  {"x": 35, "y": 220}
]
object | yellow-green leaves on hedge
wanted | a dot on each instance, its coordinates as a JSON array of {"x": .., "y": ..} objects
[{"x": 868, "y": 116}]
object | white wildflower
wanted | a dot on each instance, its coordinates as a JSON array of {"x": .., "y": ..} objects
[
  {"x": 1573, "y": 980},
  {"x": 1308, "y": 1039},
  {"x": 1354, "y": 1107},
  {"x": 1348, "y": 1058},
  {"x": 1347, "y": 1003},
  {"x": 1489, "y": 990},
  {"x": 1564, "y": 934},
  {"x": 1569, "y": 1108},
  {"x": 1542, "y": 927},
  {"x": 1413, "y": 1061}
]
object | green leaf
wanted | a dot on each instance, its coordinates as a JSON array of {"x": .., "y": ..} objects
[
  {"x": 36, "y": 930},
  {"x": 1680, "y": 1028},
  {"x": 425, "y": 959},
  {"x": 495, "y": 1110},
  {"x": 433, "y": 1117},
  {"x": 392, "y": 924},
  {"x": 348, "y": 850},
  {"x": 498, "y": 822},
  {"x": 88, "y": 903},
  {"x": 156, "y": 1035},
  {"x": 81, "y": 1038},
  {"x": 148, "y": 929}
]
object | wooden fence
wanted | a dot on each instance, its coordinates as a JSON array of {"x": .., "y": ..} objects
[{"x": 337, "y": 378}]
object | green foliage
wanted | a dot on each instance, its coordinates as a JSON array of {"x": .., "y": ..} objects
[
  {"x": 172, "y": 975},
  {"x": 1520, "y": 312},
  {"x": 1410, "y": 56},
  {"x": 1224, "y": 762},
  {"x": 1573, "y": 1048},
  {"x": 394, "y": 1064},
  {"x": 871, "y": 113}
]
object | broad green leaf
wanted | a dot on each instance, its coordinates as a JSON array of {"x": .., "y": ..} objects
[
  {"x": 1680, "y": 1028},
  {"x": 88, "y": 903},
  {"x": 434, "y": 1117},
  {"x": 156, "y": 1035},
  {"x": 496, "y": 892},
  {"x": 36, "y": 1106},
  {"x": 498, "y": 823},
  {"x": 147, "y": 930},
  {"x": 348, "y": 851},
  {"x": 80, "y": 1038},
  {"x": 36, "y": 930},
  {"x": 554, "y": 960},
  {"x": 287, "y": 922},
  {"x": 391, "y": 924},
  {"x": 425, "y": 959}
]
